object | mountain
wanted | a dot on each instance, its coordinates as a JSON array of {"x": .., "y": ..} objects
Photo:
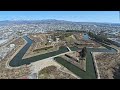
[{"x": 55, "y": 22}]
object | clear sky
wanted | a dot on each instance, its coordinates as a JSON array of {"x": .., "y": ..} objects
[{"x": 79, "y": 16}]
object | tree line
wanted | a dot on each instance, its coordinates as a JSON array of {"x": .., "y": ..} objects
[{"x": 103, "y": 39}]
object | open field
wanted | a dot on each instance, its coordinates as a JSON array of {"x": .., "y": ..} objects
[
  {"x": 108, "y": 65},
  {"x": 52, "y": 72}
]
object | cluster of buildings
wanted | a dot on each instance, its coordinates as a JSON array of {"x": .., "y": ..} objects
[
  {"x": 116, "y": 41},
  {"x": 51, "y": 25}
]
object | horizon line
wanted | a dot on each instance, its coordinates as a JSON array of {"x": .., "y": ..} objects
[{"x": 61, "y": 20}]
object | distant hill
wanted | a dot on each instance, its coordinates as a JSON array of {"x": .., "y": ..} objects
[{"x": 54, "y": 21}]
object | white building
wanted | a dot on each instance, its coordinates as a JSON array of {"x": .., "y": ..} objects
[{"x": 12, "y": 45}]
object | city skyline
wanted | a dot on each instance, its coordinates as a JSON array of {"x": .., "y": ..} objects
[{"x": 76, "y": 16}]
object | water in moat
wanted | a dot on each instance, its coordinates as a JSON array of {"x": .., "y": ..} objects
[
  {"x": 85, "y": 36},
  {"x": 18, "y": 61},
  {"x": 91, "y": 73}
]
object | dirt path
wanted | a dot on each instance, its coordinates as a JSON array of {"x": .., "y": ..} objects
[{"x": 39, "y": 65}]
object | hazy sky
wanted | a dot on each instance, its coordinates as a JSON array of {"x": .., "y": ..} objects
[{"x": 79, "y": 16}]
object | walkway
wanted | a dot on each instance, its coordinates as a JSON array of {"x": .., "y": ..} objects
[{"x": 18, "y": 61}]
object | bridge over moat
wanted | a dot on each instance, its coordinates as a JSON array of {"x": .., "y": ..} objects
[{"x": 90, "y": 69}]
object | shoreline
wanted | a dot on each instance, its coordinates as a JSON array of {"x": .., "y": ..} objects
[{"x": 8, "y": 61}]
